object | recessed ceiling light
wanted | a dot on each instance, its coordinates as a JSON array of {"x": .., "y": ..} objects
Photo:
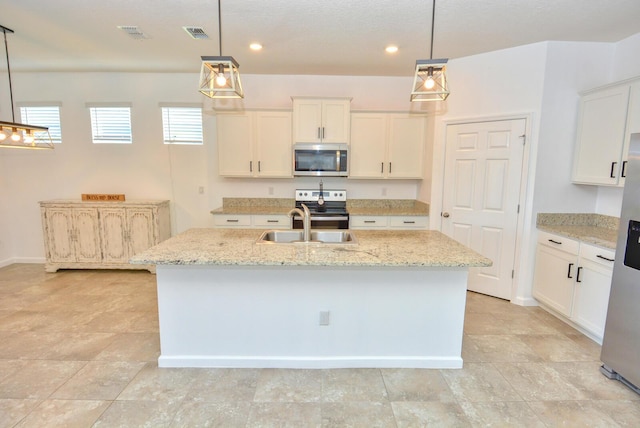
[
  {"x": 255, "y": 46},
  {"x": 391, "y": 49}
]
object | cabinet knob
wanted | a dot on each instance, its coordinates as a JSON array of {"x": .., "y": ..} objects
[{"x": 445, "y": 214}]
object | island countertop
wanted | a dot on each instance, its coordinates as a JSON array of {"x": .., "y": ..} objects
[{"x": 375, "y": 248}]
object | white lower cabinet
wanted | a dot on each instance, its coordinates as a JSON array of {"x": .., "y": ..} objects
[
  {"x": 388, "y": 222},
  {"x": 252, "y": 221},
  {"x": 573, "y": 280},
  {"x": 101, "y": 235}
]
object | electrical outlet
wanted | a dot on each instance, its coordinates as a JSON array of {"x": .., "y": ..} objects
[
  {"x": 201, "y": 190},
  {"x": 324, "y": 318},
  {"x": 271, "y": 190},
  {"x": 384, "y": 191}
]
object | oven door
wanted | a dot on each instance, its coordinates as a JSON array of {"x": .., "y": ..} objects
[{"x": 319, "y": 221}]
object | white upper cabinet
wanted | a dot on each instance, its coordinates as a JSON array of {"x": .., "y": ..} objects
[
  {"x": 254, "y": 144},
  {"x": 606, "y": 119},
  {"x": 387, "y": 145},
  {"x": 321, "y": 120}
]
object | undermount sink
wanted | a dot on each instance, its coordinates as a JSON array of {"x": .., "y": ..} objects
[{"x": 317, "y": 237}]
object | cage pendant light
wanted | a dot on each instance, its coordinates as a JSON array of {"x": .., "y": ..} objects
[
  {"x": 430, "y": 79},
  {"x": 19, "y": 135},
  {"x": 219, "y": 75}
]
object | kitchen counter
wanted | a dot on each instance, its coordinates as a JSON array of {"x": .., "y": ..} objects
[
  {"x": 272, "y": 206},
  {"x": 595, "y": 229},
  {"x": 257, "y": 206},
  {"x": 395, "y": 299},
  {"x": 237, "y": 247}
]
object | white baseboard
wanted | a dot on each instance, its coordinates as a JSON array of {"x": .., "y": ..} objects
[
  {"x": 13, "y": 260},
  {"x": 525, "y": 301}
]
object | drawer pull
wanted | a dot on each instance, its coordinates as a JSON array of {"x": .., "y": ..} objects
[
  {"x": 229, "y": 220},
  {"x": 409, "y": 222},
  {"x": 569, "y": 271},
  {"x": 555, "y": 242},
  {"x": 369, "y": 221},
  {"x": 604, "y": 258},
  {"x": 273, "y": 221},
  {"x": 578, "y": 276}
]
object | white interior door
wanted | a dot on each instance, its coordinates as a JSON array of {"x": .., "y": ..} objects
[{"x": 483, "y": 167}]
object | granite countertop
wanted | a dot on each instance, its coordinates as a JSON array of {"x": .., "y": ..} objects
[
  {"x": 594, "y": 229},
  {"x": 375, "y": 248},
  {"x": 407, "y": 207},
  {"x": 272, "y": 206},
  {"x": 266, "y": 206}
]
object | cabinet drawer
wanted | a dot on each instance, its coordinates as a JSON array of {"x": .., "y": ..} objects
[
  {"x": 409, "y": 222},
  {"x": 232, "y": 220},
  {"x": 603, "y": 256},
  {"x": 366, "y": 222},
  {"x": 272, "y": 221},
  {"x": 559, "y": 242}
]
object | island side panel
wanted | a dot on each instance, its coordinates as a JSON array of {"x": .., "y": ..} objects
[{"x": 264, "y": 316}]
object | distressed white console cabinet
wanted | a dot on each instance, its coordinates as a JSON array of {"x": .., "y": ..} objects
[{"x": 101, "y": 235}]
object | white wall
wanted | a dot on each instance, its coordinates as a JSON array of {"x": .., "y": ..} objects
[{"x": 148, "y": 169}]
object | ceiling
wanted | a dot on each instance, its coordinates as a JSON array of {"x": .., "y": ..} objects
[{"x": 322, "y": 37}]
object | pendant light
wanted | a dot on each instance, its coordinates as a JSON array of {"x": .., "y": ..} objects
[
  {"x": 219, "y": 76},
  {"x": 20, "y": 135},
  {"x": 430, "y": 80}
]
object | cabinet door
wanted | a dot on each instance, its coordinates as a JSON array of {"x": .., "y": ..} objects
[
  {"x": 235, "y": 157},
  {"x": 60, "y": 235},
  {"x": 593, "y": 285},
  {"x": 140, "y": 231},
  {"x": 601, "y": 132},
  {"x": 113, "y": 226},
  {"x": 307, "y": 120},
  {"x": 406, "y": 146},
  {"x": 633, "y": 126},
  {"x": 554, "y": 276},
  {"x": 368, "y": 145},
  {"x": 274, "y": 154},
  {"x": 87, "y": 235},
  {"x": 335, "y": 121}
]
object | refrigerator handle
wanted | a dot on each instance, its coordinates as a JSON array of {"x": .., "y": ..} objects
[{"x": 569, "y": 270}]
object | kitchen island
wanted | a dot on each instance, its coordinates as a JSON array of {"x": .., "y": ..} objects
[{"x": 394, "y": 299}]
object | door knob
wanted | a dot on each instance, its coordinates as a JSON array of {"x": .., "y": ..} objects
[{"x": 445, "y": 214}]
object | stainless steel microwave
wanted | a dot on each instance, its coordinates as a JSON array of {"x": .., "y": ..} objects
[{"x": 320, "y": 159}]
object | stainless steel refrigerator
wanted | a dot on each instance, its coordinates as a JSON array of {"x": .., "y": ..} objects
[{"x": 621, "y": 342}]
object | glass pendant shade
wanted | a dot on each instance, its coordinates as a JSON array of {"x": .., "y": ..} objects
[
  {"x": 430, "y": 80},
  {"x": 21, "y": 136},
  {"x": 219, "y": 77}
]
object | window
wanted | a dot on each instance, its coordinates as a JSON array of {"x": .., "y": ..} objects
[
  {"x": 48, "y": 116},
  {"x": 182, "y": 125},
  {"x": 111, "y": 124}
]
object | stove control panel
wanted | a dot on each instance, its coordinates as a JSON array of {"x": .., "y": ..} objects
[{"x": 328, "y": 195}]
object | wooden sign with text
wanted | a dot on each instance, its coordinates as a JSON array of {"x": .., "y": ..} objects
[{"x": 102, "y": 197}]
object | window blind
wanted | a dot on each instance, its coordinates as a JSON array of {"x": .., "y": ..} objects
[
  {"x": 182, "y": 125},
  {"x": 47, "y": 116},
  {"x": 111, "y": 125}
]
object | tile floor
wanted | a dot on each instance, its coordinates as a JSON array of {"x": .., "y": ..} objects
[{"x": 79, "y": 349}]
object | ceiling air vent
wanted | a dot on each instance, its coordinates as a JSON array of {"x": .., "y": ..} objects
[
  {"x": 196, "y": 32},
  {"x": 133, "y": 31}
]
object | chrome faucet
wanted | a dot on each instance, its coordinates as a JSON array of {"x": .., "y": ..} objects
[{"x": 306, "y": 221}]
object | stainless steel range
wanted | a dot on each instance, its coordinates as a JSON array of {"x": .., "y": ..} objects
[{"x": 328, "y": 208}]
